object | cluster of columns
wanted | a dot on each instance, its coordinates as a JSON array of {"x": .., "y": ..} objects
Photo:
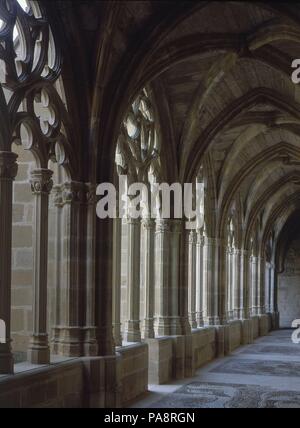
[
  {"x": 162, "y": 312},
  {"x": 75, "y": 331},
  {"x": 226, "y": 283}
]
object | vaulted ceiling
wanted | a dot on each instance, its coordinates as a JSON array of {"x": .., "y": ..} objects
[{"x": 221, "y": 77}]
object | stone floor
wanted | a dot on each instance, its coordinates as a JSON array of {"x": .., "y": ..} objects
[{"x": 263, "y": 374}]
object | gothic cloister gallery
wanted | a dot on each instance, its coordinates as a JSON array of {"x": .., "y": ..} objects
[{"x": 148, "y": 310}]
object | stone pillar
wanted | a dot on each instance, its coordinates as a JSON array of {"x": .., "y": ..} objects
[
  {"x": 211, "y": 270},
  {"x": 162, "y": 236},
  {"x": 149, "y": 226},
  {"x": 236, "y": 281},
  {"x": 254, "y": 286},
  {"x": 244, "y": 285},
  {"x": 68, "y": 334},
  {"x": 178, "y": 290},
  {"x": 8, "y": 171},
  {"x": 267, "y": 286},
  {"x": 41, "y": 185},
  {"x": 261, "y": 286},
  {"x": 116, "y": 281},
  {"x": 89, "y": 329},
  {"x": 192, "y": 279},
  {"x": 247, "y": 330},
  {"x": 199, "y": 279},
  {"x": 272, "y": 283},
  {"x": 276, "y": 315},
  {"x": 132, "y": 331},
  {"x": 229, "y": 283}
]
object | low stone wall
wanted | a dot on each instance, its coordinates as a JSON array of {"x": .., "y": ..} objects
[
  {"x": 56, "y": 386},
  {"x": 160, "y": 360},
  {"x": 204, "y": 345},
  {"x": 264, "y": 325},
  {"x": 133, "y": 371},
  {"x": 235, "y": 335},
  {"x": 116, "y": 381},
  {"x": 255, "y": 326},
  {"x": 176, "y": 357}
]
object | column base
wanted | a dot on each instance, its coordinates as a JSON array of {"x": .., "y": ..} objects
[
  {"x": 6, "y": 360},
  {"x": 212, "y": 321},
  {"x": 117, "y": 334},
  {"x": 175, "y": 326},
  {"x": 200, "y": 320},
  {"x": 132, "y": 331},
  {"x": 105, "y": 340},
  {"x": 90, "y": 346},
  {"x": 162, "y": 327},
  {"x": 148, "y": 329},
  {"x": 39, "y": 351},
  {"x": 68, "y": 341},
  {"x": 38, "y": 355}
]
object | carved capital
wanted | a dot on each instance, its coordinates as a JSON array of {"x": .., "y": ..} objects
[
  {"x": 148, "y": 223},
  {"x": 73, "y": 191},
  {"x": 41, "y": 181},
  {"x": 192, "y": 237},
  {"x": 162, "y": 225},
  {"x": 57, "y": 195},
  {"x": 91, "y": 197},
  {"x": 8, "y": 165}
]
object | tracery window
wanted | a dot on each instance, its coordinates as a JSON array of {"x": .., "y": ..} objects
[
  {"x": 33, "y": 117},
  {"x": 30, "y": 64},
  {"x": 137, "y": 158}
]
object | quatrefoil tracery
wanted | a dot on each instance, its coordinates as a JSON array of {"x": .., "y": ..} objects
[
  {"x": 137, "y": 153},
  {"x": 30, "y": 64}
]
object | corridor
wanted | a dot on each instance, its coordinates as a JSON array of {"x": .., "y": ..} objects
[{"x": 263, "y": 374}]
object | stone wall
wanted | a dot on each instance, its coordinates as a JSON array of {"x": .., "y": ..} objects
[
  {"x": 289, "y": 286},
  {"x": 134, "y": 371},
  {"x": 235, "y": 335},
  {"x": 115, "y": 381}
]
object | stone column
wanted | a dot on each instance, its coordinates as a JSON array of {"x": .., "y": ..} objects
[
  {"x": 149, "y": 226},
  {"x": 41, "y": 185},
  {"x": 89, "y": 329},
  {"x": 211, "y": 270},
  {"x": 192, "y": 279},
  {"x": 8, "y": 171},
  {"x": 276, "y": 315},
  {"x": 261, "y": 285},
  {"x": 229, "y": 284},
  {"x": 132, "y": 332},
  {"x": 116, "y": 281},
  {"x": 199, "y": 279},
  {"x": 267, "y": 286},
  {"x": 254, "y": 286},
  {"x": 178, "y": 291},
  {"x": 69, "y": 334},
  {"x": 162, "y": 236},
  {"x": 244, "y": 289},
  {"x": 236, "y": 281},
  {"x": 272, "y": 283}
]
